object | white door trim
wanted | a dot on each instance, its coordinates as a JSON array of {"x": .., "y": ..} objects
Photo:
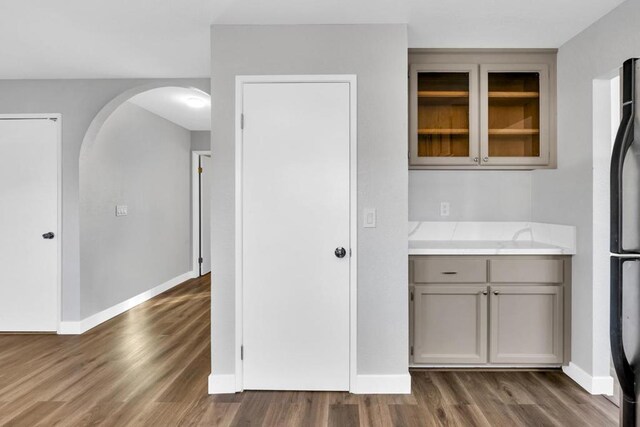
[
  {"x": 353, "y": 222},
  {"x": 57, "y": 118},
  {"x": 195, "y": 210}
]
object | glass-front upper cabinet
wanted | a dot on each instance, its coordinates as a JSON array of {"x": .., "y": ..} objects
[
  {"x": 514, "y": 121},
  {"x": 444, "y": 115}
]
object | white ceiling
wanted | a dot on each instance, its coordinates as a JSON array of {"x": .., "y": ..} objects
[
  {"x": 170, "y": 103},
  {"x": 169, "y": 38}
]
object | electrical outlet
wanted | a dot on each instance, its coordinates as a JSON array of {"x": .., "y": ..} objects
[
  {"x": 121, "y": 210},
  {"x": 445, "y": 208}
]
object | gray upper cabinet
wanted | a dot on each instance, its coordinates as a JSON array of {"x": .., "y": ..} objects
[
  {"x": 482, "y": 110},
  {"x": 514, "y": 114},
  {"x": 444, "y": 115}
]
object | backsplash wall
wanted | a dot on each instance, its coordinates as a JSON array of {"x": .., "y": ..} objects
[{"x": 473, "y": 195}]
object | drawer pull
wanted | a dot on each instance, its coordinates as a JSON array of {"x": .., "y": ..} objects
[
  {"x": 496, "y": 293},
  {"x": 484, "y": 292},
  {"x": 449, "y": 272}
]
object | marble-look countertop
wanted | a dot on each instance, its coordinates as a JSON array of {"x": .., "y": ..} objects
[{"x": 490, "y": 238}]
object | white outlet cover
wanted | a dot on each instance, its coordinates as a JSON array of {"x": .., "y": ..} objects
[
  {"x": 445, "y": 208},
  {"x": 122, "y": 210}
]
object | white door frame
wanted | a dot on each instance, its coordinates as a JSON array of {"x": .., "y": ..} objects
[
  {"x": 353, "y": 211},
  {"x": 57, "y": 119},
  {"x": 195, "y": 209}
]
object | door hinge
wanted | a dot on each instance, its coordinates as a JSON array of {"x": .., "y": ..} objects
[
  {"x": 241, "y": 352},
  {"x": 199, "y": 170},
  {"x": 412, "y": 350},
  {"x": 409, "y": 155},
  {"x": 411, "y": 296},
  {"x": 200, "y": 260},
  {"x": 241, "y": 121},
  {"x": 349, "y": 252}
]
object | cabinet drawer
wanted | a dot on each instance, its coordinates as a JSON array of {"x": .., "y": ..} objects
[
  {"x": 449, "y": 270},
  {"x": 526, "y": 271}
]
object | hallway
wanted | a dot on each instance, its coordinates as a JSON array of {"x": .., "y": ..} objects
[{"x": 149, "y": 366}]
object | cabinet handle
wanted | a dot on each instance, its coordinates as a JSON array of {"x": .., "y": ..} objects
[
  {"x": 485, "y": 159},
  {"x": 476, "y": 159},
  {"x": 484, "y": 292},
  {"x": 496, "y": 293},
  {"x": 449, "y": 272}
]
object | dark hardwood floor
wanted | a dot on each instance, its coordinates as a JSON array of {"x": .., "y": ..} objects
[{"x": 149, "y": 366}]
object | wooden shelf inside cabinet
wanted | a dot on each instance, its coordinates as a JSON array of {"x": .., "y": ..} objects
[
  {"x": 513, "y": 95},
  {"x": 514, "y": 132},
  {"x": 443, "y": 94},
  {"x": 443, "y": 131},
  {"x": 444, "y": 98}
]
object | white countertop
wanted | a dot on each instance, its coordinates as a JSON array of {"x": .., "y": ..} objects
[{"x": 490, "y": 238}]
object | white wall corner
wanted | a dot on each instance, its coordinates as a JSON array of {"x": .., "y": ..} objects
[
  {"x": 594, "y": 385},
  {"x": 222, "y": 384},
  {"x": 70, "y": 328},
  {"x": 80, "y": 327},
  {"x": 382, "y": 384}
]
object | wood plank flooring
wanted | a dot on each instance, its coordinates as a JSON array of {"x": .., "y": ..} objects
[{"x": 149, "y": 366}]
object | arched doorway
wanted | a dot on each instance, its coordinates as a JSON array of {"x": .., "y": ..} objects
[{"x": 135, "y": 205}]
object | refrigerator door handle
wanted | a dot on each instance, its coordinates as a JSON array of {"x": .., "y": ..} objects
[
  {"x": 624, "y": 139},
  {"x": 624, "y": 371}
]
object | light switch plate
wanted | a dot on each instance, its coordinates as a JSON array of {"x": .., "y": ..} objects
[
  {"x": 369, "y": 218},
  {"x": 121, "y": 210}
]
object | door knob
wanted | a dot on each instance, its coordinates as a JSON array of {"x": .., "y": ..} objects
[
  {"x": 48, "y": 235},
  {"x": 340, "y": 252}
]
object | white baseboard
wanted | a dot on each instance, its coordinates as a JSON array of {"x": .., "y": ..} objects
[
  {"x": 383, "y": 384},
  {"x": 594, "y": 385},
  {"x": 70, "y": 328},
  {"x": 222, "y": 384},
  {"x": 365, "y": 384},
  {"x": 80, "y": 327}
]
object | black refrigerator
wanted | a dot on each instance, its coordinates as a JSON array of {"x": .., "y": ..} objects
[{"x": 625, "y": 247}]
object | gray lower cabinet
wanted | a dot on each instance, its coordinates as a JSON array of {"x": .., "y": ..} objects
[
  {"x": 493, "y": 310},
  {"x": 526, "y": 324},
  {"x": 440, "y": 310}
]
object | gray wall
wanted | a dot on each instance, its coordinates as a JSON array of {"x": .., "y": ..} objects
[
  {"x": 143, "y": 161},
  {"x": 200, "y": 140},
  {"x": 78, "y": 101},
  {"x": 473, "y": 195},
  {"x": 377, "y": 54},
  {"x": 565, "y": 195}
]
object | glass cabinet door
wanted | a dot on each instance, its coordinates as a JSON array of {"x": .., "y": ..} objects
[
  {"x": 514, "y": 119},
  {"x": 444, "y": 116}
]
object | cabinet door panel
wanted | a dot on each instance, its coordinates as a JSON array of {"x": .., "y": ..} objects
[
  {"x": 525, "y": 324},
  {"x": 514, "y": 114},
  {"x": 450, "y": 324},
  {"x": 444, "y": 115}
]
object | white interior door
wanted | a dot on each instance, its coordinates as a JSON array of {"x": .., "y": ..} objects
[
  {"x": 295, "y": 176},
  {"x": 205, "y": 214},
  {"x": 28, "y": 209}
]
